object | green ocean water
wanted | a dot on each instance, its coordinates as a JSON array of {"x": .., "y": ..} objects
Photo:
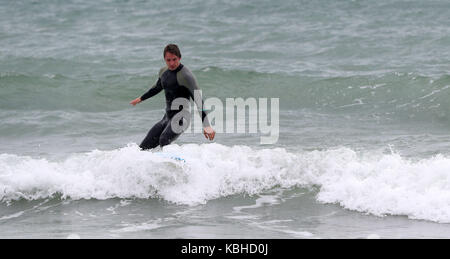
[{"x": 364, "y": 95}]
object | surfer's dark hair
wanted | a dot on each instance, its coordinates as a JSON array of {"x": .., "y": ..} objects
[{"x": 172, "y": 48}]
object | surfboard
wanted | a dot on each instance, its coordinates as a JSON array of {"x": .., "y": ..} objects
[{"x": 171, "y": 156}]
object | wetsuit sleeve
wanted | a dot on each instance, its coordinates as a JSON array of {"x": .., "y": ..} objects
[
  {"x": 187, "y": 79},
  {"x": 154, "y": 90}
]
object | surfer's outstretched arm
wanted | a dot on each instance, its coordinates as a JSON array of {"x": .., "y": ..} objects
[
  {"x": 154, "y": 90},
  {"x": 136, "y": 101}
]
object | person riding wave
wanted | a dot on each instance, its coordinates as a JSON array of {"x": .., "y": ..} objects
[{"x": 177, "y": 81}]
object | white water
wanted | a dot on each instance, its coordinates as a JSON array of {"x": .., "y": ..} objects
[{"x": 370, "y": 182}]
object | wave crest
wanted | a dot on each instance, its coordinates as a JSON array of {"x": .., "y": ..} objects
[{"x": 380, "y": 184}]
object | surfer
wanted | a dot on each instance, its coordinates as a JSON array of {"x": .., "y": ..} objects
[{"x": 178, "y": 82}]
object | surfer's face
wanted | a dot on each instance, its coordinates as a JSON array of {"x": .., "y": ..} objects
[{"x": 172, "y": 61}]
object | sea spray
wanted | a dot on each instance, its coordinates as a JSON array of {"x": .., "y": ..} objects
[{"x": 370, "y": 182}]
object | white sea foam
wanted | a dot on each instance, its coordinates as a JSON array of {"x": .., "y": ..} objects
[
  {"x": 15, "y": 215},
  {"x": 151, "y": 225},
  {"x": 379, "y": 184},
  {"x": 263, "y": 200},
  {"x": 73, "y": 236}
]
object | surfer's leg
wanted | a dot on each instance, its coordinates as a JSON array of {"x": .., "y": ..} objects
[
  {"x": 168, "y": 135},
  {"x": 152, "y": 138}
]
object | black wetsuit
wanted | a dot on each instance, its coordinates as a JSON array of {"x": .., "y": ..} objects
[{"x": 178, "y": 83}]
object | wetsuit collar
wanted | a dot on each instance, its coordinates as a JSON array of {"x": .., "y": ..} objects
[{"x": 178, "y": 68}]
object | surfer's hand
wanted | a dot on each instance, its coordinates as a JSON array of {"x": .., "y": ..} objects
[
  {"x": 136, "y": 101},
  {"x": 209, "y": 133}
]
